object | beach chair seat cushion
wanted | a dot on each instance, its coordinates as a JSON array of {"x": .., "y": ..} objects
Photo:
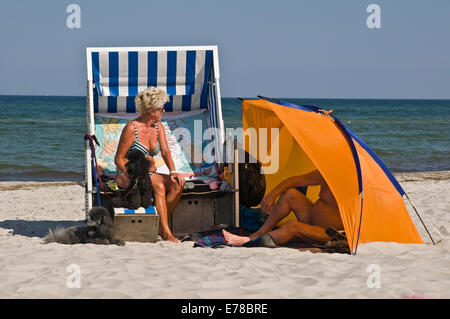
[{"x": 108, "y": 128}]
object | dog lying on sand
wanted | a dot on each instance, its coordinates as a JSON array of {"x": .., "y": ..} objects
[{"x": 98, "y": 230}]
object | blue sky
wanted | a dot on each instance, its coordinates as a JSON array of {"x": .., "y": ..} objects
[{"x": 309, "y": 48}]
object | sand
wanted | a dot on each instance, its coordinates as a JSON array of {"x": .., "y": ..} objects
[{"x": 30, "y": 269}]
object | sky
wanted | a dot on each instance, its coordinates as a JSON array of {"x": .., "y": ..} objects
[{"x": 290, "y": 49}]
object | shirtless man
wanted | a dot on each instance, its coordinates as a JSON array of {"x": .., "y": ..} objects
[{"x": 313, "y": 218}]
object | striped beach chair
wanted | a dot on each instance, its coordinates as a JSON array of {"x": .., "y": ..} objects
[{"x": 190, "y": 75}]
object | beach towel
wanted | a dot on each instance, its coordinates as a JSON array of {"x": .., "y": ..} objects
[{"x": 214, "y": 238}]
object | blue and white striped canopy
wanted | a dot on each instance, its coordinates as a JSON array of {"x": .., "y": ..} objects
[{"x": 120, "y": 75}]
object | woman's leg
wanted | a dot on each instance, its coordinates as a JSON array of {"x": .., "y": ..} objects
[
  {"x": 159, "y": 182},
  {"x": 173, "y": 194},
  {"x": 173, "y": 191}
]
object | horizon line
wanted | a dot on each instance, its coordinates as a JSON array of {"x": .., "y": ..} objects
[{"x": 255, "y": 97}]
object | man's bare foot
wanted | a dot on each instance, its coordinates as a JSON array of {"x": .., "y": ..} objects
[{"x": 234, "y": 239}]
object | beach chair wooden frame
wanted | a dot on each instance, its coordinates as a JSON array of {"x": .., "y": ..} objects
[{"x": 107, "y": 93}]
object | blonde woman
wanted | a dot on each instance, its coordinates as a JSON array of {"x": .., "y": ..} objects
[{"x": 146, "y": 134}]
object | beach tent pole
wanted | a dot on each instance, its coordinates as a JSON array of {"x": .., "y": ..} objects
[
  {"x": 420, "y": 218},
  {"x": 237, "y": 211},
  {"x": 268, "y": 98}
]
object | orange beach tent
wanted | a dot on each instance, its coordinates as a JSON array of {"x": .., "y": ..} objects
[{"x": 369, "y": 197}]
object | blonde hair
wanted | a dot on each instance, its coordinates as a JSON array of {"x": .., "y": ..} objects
[{"x": 150, "y": 98}]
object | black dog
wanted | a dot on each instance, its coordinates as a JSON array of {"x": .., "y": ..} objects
[
  {"x": 98, "y": 230},
  {"x": 140, "y": 191}
]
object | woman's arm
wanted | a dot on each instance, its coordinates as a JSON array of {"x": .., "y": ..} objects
[{"x": 125, "y": 142}]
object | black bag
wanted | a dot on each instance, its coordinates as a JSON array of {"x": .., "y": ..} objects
[{"x": 252, "y": 184}]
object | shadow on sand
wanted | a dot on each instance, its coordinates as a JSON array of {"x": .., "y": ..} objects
[{"x": 36, "y": 228}]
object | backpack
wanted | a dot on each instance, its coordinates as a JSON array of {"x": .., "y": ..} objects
[{"x": 252, "y": 184}]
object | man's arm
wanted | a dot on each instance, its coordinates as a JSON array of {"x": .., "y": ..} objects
[{"x": 309, "y": 179}]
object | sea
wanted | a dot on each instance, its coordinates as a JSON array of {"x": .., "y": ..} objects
[{"x": 41, "y": 137}]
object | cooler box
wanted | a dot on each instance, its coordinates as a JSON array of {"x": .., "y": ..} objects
[{"x": 138, "y": 225}]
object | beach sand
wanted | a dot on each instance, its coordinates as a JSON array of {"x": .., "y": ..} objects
[{"x": 30, "y": 269}]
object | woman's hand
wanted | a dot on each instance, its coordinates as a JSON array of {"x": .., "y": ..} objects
[
  {"x": 267, "y": 202},
  {"x": 177, "y": 178},
  {"x": 152, "y": 168},
  {"x": 123, "y": 180}
]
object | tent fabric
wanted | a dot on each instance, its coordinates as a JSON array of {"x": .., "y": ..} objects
[
  {"x": 308, "y": 140},
  {"x": 311, "y": 108},
  {"x": 379, "y": 162}
]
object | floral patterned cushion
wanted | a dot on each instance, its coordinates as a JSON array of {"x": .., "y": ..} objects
[{"x": 109, "y": 128}]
